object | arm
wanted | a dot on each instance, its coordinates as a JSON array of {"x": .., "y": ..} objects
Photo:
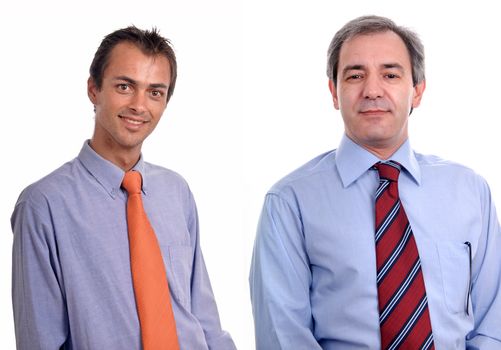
[
  {"x": 39, "y": 307},
  {"x": 486, "y": 286},
  {"x": 280, "y": 280},
  {"x": 203, "y": 305}
]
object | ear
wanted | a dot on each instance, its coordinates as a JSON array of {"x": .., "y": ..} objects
[
  {"x": 92, "y": 90},
  {"x": 418, "y": 94},
  {"x": 333, "y": 90}
]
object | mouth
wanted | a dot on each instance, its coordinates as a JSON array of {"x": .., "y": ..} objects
[
  {"x": 134, "y": 121},
  {"x": 374, "y": 111}
]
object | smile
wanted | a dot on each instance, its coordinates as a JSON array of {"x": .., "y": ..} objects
[{"x": 132, "y": 121}]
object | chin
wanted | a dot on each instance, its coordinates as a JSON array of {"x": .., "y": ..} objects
[
  {"x": 129, "y": 143},
  {"x": 375, "y": 138}
]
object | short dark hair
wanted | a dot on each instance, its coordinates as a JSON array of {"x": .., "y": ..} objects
[
  {"x": 150, "y": 42},
  {"x": 376, "y": 24}
]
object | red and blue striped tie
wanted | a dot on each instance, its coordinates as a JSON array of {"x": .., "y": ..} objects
[{"x": 403, "y": 307}]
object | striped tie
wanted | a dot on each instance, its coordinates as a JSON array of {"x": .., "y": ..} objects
[{"x": 403, "y": 307}]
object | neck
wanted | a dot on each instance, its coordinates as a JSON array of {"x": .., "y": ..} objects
[
  {"x": 382, "y": 151},
  {"x": 125, "y": 159}
]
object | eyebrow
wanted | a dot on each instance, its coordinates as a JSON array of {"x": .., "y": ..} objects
[
  {"x": 353, "y": 67},
  {"x": 393, "y": 65},
  {"x": 362, "y": 67},
  {"x": 133, "y": 82}
]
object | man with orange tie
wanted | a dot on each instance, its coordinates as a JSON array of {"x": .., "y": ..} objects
[
  {"x": 372, "y": 245},
  {"x": 106, "y": 250}
]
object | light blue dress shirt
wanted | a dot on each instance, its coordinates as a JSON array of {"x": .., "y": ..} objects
[
  {"x": 72, "y": 286},
  {"x": 313, "y": 275}
]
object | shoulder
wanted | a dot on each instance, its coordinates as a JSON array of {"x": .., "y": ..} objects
[
  {"x": 322, "y": 166},
  {"x": 38, "y": 202},
  {"x": 166, "y": 181},
  {"x": 168, "y": 176},
  {"x": 450, "y": 174},
  {"x": 48, "y": 188},
  {"x": 435, "y": 165}
]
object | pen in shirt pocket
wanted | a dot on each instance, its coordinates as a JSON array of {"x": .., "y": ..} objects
[{"x": 468, "y": 245}]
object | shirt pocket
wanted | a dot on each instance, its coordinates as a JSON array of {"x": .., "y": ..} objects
[
  {"x": 181, "y": 262},
  {"x": 455, "y": 266}
]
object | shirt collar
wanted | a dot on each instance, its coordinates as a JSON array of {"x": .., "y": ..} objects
[
  {"x": 107, "y": 174},
  {"x": 353, "y": 160}
]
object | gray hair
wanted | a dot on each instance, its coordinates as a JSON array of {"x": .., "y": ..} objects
[{"x": 375, "y": 24}]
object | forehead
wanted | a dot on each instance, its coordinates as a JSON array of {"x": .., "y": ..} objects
[
  {"x": 375, "y": 48},
  {"x": 127, "y": 59}
]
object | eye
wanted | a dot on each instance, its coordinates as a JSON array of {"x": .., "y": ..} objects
[
  {"x": 157, "y": 93},
  {"x": 392, "y": 76},
  {"x": 354, "y": 77},
  {"x": 123, "y": 87}
]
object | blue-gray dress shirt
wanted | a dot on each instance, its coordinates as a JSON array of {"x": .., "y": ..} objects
[
  {"x": 72, "y": 286},
  {"x": 313, "y": 274}
]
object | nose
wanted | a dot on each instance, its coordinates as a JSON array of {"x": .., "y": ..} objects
[
  {"x": 137, "y": 102},
  {"x": 372, "y": 88}
]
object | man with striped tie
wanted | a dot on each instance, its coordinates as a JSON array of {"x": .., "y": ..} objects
[{"x": 372, "y": 245}]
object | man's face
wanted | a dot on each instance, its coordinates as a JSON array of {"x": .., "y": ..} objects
[
  {"x": 131, "y": 100},
  {"x": 375, "y": 92}
]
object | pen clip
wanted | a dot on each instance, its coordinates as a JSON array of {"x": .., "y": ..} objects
[{"x": 468, "y": 244}]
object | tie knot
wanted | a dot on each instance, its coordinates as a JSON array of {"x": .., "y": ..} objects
[
  {"x": 389, "y": 171},
  {"x": 132, "y": 182}
]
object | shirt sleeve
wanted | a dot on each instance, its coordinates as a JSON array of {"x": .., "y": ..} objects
[
  {"x": 203, "y": 304},
  {"x": 40, "y": 315},
  {"x": 486, "y": 281},
  {"x": 280, "y": 280}
]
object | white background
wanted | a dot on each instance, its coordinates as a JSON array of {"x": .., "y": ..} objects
[{"x": 251, "y": 104}]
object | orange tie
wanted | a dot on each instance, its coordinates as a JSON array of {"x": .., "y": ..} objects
[{"x": 151, "y": 289}]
